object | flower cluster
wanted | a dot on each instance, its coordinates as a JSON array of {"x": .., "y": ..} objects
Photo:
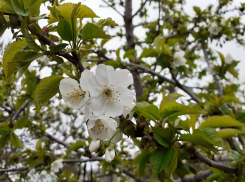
[{"x": 102, "y": 95}]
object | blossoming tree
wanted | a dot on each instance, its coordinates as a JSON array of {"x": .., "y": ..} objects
[{"x": 164, "y": 108}]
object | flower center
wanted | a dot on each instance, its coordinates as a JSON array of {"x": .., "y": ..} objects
[
  {"x": 77, "y": 95},
  {"x": 109, "y": 93},
  {"x": 99, "y": 127}
]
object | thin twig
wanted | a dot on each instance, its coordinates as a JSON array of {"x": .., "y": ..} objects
[
  {"x": 113, "y": 8},
  {"x": 139, "y": 10},
  {"x": 57, "y": 140},
  {"x": 22, "y": 108}
]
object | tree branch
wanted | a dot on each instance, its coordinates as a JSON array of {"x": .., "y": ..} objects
[
  {"x": 113, "y": 8},
  {"x": 199, "y": 177},
  {"x": 57, "y": 140},
  {"x": 212, "y": 163},
  {"x": 139, "y": 10},
  {"x": 74, "y": 60},
  {"x": 131, "y": 175},
  {"x": 22, "y": 108}
]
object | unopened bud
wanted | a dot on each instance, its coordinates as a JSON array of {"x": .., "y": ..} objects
[
  {"x": 109, "y": 155},
  {"x": 45, "y": 30},
  {"x": 94, "y": 146}
]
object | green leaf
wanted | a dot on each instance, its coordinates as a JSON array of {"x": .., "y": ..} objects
[
  {"x": 221, "y": 57},
  {"x": 6, "y": 7},
  {"x": 160, "y": 158},
  {"x": 220, "y": 122},
  {"x": 157, "y": 43},
  {"x": 233, "y": 72},
  {"x": 229, "y": 132},
  {"x": 5, "y": 138},
  {"x": 172, "y": 109},
  {"x": 148, "y": 53},
  {"x": 128, "y": 53},
  {"x": 163, "y": 135},
  {"x": 21, "y": 123},
  {"x": 91, "y": 30},
  {"x": 60, "y": 47},
  {"x": 173, "y": 161},
  {"x": 39, "y": 145},
  {"x": 20, "y": 9},
  {"x": 163, "y": 60},
  {"x": 9, "y": 54},
  {"x": 112, "y": 63},
  {"x": 143, "y": 162},
  {"x": 3, "y": 24},
  {"x": 235, "y": 157},
  {"x": 65, "y": 10},
  {"x": 106, "y": 22},
  {"x": 67, "y": 72},
  {"x": 168, "y": 98},
  {"x": 211, "y": 135},
  {"x": 46, "y": 89},
  {"x": 197, "y": 139},
  {"x": 30, "y": 41},
  {"x": 75, "y": 146},
  {"x": 14, "y": 140},
  {"x": 149, "y": 111},
  {"x": 64, "y": 30}
]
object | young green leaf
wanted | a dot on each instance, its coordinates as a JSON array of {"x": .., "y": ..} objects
[
  {"x": 14, "y": 140},
  {"x": 106, "y": 22},
  {"x": 46, "y": 89},
  {"x": 220, "y": 122},
  {"x": 20, "y": 8},
  {"x": 9, "y": 54},
  {"x": 150, "y": 112},
  {"x": 160, "y": 158},
  {"x": 91, "y": 31},
  {"x": 143, "y": 162},
  {"x": 64, "y": 30},
  {"x": 21, "y": 123},
  {"x": 172, "y": 109},
  {"x": 229, "y": 132},
  {"x": 60, "y": 47},
  {"x": 128, "y": 53}
]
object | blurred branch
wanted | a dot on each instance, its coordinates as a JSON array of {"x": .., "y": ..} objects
[
  {"x": 198, "y": 177},
  {"x": 57, "y": 140},
  {"x": 113, "y": 8},
  {"x": 212, "y": 163},
  {"x": 139, "y": 10},
  {"x": 22, "y": 108}
]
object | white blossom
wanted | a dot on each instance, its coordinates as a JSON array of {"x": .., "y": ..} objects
[
  {"x": 109, "y": 92},
  {"x": 74, "y": 94},
  {"x": 222, "y": 22},
  {"x": 128, "y": 111},
  {"x": 179, "y": 59},
  {"x": 214, "y": 29},
  {"x": 56, "y": 165},
  {"x": 228, "y": 59},
  {"x": 94, "y": 146},
  {"x": 109, "y": 155},
  {"x": 211, "y": 68},
  {"x": 101, "y": 127},
  {"x": 43, "y": 174}
]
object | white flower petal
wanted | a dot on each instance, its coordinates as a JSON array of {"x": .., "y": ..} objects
[
  {"x": 102, "y": 74},
  {"x": 94, "y": 86},
  {"x": 85, "y": 79},
  {"x": 66, "y": 85},
  {"x": 121, "y": 78},
  {"x": 103, "y": 129},
  {"x": 109, "y": 155},
  {"x": 94, "y": 146},
  {"x": 98, "y": 105}
]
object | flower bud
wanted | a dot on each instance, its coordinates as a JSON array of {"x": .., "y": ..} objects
[
  {"x": 109, "y": 155},
  {"x": 94, "y": 146}
]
